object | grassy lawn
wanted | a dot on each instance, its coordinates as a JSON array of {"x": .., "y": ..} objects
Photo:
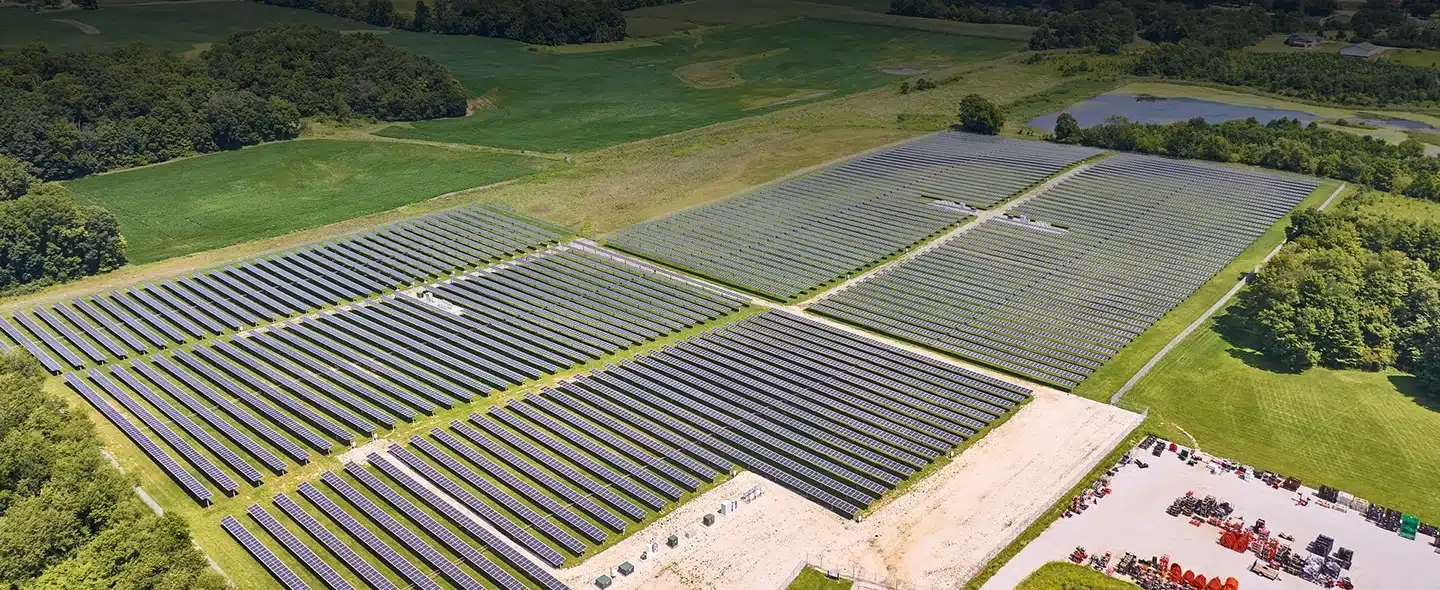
[
  {"x": 1370, "y": 434},
  {"x": 222, "y": 199},
  {"x": 1114, "y": 373},
  {"x": 1276, "y": 44},
  {"x": 1414, "y": 57},
  {"x": 813, "y": 579},
  {"x": 1068, "y": 576}
]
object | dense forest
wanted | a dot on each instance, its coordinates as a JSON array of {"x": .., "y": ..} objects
[
  {"x": 1282, "y": 144},
  {"x": 1350, "y": 292},
  {"x": 45, "y": 237},
  {"x": 324, "y": 72},
  {"x": 67, "y": 518},
  {"x": 542, "y": 22},
  {"x": 72, "y": 114},
  {"x": 1314, "y": 76}
]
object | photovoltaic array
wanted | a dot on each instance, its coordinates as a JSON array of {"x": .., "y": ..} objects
[
  {"x": 333, "y": 378},
  {"x": 146, "y": 318},
  {"x": 792, "y": 238},
  {"x": 832, "y": 415},
  {"x": 1121, "y": 244}
]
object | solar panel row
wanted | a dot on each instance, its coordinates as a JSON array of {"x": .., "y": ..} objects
[
  {"x": 792, "y": 238},
  {"x": 201, "y": 306},
  {"x": 1124, "y": 242}
]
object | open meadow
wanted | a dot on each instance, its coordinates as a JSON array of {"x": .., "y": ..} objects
[{"x": 217, "y": 200}]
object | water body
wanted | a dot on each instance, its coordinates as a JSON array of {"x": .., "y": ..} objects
[{"x": 1142, "y": 109}]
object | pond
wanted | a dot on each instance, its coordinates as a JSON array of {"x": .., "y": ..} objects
[{"x": 1144, "y": 109}]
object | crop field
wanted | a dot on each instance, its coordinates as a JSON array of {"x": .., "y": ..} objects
[
  {"x": 571, "y": 102},
  {"x": 1066, "y": 280},
  {"x": 216, "y": 200},
  {"x": 795, "y": 237}
]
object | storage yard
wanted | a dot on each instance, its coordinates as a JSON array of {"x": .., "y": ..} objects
[
  {"x": 474, "y": 399},
  {"x": 1136, "y": 518}
]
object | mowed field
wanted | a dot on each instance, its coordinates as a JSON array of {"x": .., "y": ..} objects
[
  {"x": 1372, "y": 434},
  {"x": 221, "y": 199}
]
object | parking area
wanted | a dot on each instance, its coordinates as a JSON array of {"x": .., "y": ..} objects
[{"x": 1132, "y": 518}]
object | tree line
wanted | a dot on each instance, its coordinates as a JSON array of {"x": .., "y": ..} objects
[
  {"x": 1282, "y": 144},
  {"x": 1312, "y": 76},
  {"x": 1350, "y": 291},
  {"x": 1110, "y": 24},
  {"x": 46, "y": 237},
  {"x": 541, "y": 22},
  {"x": 68, "y": 115},
  {"x": 68, "y": 519}
]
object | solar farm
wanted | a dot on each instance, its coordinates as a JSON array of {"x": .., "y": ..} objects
[
  {"x": 793, "y": 238},
  {"x": 473, "y": 399},
  {"x": 1057, "y": 287}
]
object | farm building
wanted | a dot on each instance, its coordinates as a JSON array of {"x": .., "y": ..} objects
[
  {"x": 1304, "y": 40},
  {"x": 1365, "y": 50}
]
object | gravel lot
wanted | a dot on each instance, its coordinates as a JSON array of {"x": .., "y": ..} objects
[{"x": 1133, "y": 519}]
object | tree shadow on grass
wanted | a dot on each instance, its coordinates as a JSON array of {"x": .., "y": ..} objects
[
  {"x": 1416, "y": 390},
  {"x": 1243, "y": 345}
]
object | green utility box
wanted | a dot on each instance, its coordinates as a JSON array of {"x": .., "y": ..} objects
[
  {"x": 626, "y": 569},
  {"x": 672, "y": 542},
  {"x": 1409, "y": 525},
  {"x": 602, "y": 582},
  {"x": 708, "y": 519}
]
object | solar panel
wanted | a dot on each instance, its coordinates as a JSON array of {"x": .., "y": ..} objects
[
  {"x": 417, "y": 545},
  {"x": 298, "y": 548},
  {"x": 623, "y": 445},
  {"x": 225, "y": 405},
  {"x": 365, "y": 370},
  {"x": 50, "y": 341},
  {"x": 167, "y": 463},
  {"x": 344, "y": 395},
  {"x": 131, "y": 321},
  {"x": 293, "y": 392},
  {"x": 110, "y": 326},
  {"x": 261, "y": 553},
  {"x": 201, "y": 462},
  {"x": 535, "y": 496},
  {"x": 291, "y": 406},
  {"x": 544, "y": 458},
  {"x": 559, "y": 488},
  {"x": 185, "y": 423},
  {"x": 605, "y": 454},
  {"x": 69, "y": 335},
  {"x": 40, "y": 355},
  {"x": 488, "y": 540},
  {"x": 371, "y": 541},
  {"x": 91, "y": 331},
  {"x": 265, "y": 409},
  {"x": 490, "y": 515},
  {"x": 373, "y": 578}
]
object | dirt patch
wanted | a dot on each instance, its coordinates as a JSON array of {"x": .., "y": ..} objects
[
  {"x": 483, "y": 102},
  {"x": 88, "y": 29},
  {"x": 719, "y": 73},
  {"x": 196, "y": 49},
  {"x": 905, "y": 71}
]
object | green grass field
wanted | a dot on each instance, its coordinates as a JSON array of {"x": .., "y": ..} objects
[
  {"x": 813, "y": 579},
  {"x": 1068, "y": 576},
  {"x": 1370, "y": 434},
  {"x": 222, "y": 199}
]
